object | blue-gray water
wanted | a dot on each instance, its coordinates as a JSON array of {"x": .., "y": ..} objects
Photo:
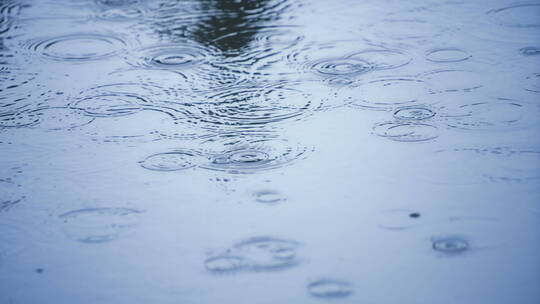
[{"x": 262, "y": 152}]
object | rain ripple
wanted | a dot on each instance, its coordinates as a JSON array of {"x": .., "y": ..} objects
[
  {"x": 78, "y": 47},
  {"x": 254, "y": 255},
  {"x": 330, "y": 289},
  {"x": 99, "y": 225}
]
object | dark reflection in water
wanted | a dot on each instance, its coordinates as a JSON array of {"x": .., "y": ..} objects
[{"x": 225, "y": 23}]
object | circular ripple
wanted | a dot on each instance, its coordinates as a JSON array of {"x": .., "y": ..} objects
[
  {"x": 170, "y": 161},
  {"x": 524, "y": 15},
  {"x": 121, "y": 14},
  {"x": 382, "y": 59},
  {"x": 453, "y": 80},
  {"x": 58, "y": 118},
  {"x": 447, "y": 55},
  {"x": 98, "y": 225},
  {"x": 18, "y": 119},
  {"x": 254, "y": 155},
  {"x": 119, "y": 99},
  {"x": 225, "y": 264},
  {"x": 256, "y": 106},
  {"x": 532, "y": 83},
  {"x": 500, "y": 114},
  {"x": 340, "y": 67},
  {"x": 386, "y": 94},
  {"x": 268, "y": 197},
  {"x": 109, "y": 105},
  {"x": 413, "y": 113},
  {"x": 78, "y": 47},
  {"x": 530, "y": 51},
  {"x": 174, "y": 56},
  {"x": 450, "y": 245},
  {"x": 116, "y": 3},
  {"x": 330, "y": 289},
  {"x": 267, "y": 253},
  {"x": 406, "y": 131}
]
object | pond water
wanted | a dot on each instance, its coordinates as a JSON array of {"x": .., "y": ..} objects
[{"x": 271, "y": 151}]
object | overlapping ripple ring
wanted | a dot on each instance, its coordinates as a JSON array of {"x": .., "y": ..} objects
[{"x": 78, "y": 47}]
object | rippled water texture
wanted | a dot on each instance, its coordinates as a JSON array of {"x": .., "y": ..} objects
[{"x": 269, "y": 151}]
